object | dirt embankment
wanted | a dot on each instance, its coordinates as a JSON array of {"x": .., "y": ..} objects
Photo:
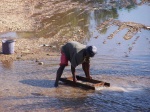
[
  {"x": 31, "y": 49},
  {"x": 26, "y": 15}
]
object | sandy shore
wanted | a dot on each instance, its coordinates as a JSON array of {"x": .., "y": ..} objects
[
  {"x": 19, "y": 15},
  {"x": 28, "y": 15},
  {"x": 28, "y": 86},
  {"x": 27, "y": 49}
]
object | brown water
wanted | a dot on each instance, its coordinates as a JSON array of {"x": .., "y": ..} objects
[
  {"x": 29, "y": 87},
  {"x": 125, "y": 64}
]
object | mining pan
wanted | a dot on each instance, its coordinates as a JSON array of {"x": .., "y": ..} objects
[{"x": 85, "y": 83}]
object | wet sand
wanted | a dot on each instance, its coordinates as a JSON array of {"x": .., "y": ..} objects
[
  {"x": 18, "y": 15},
  {"x": 28, "y": 86},
  {"x": 27, "y": 49},
  {"x": 33, "y": 16}
]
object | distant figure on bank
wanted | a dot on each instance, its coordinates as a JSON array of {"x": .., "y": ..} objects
[{"x": 76, "y": 53}]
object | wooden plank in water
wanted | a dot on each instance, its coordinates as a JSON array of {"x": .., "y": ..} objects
[{"x": 86, "y": 83}]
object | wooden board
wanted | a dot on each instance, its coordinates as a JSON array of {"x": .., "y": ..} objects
[{"x": 86, "y": 83}]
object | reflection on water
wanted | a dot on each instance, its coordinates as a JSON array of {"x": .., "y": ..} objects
[
  {"x": 14, "y": 35},
  {"x": 67, "y": 23}
]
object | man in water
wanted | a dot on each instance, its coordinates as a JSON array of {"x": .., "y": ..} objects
[{"x": 76, "y": 53}]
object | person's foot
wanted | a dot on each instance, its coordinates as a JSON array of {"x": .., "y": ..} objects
[
  {"x": 74, "y": 80},
  {"x": 89, "y": 77}
]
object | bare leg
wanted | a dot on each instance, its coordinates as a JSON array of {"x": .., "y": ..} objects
[
  {"x": 73, "y": 73},
  {"x": 59, "y": 73},
  {"x": 86, "y": 67}
]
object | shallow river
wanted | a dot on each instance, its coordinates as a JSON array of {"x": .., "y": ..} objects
[{"x": 125, "y": 64}]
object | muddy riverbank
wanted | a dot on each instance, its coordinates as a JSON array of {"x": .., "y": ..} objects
[
  {"x": 39, "y": 48},
  {"x": 20, "y": 15},
  {"x": 27, "y": 49},
  {"x": 118, "y": 28},
  {"x": 24, "y": 16},
  {"x": 42, "y": 18}
]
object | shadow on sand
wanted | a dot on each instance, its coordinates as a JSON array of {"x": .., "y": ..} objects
[{"x": 39, "y": 83}]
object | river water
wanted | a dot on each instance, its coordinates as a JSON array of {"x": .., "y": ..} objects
[{"x": 125, "y": 64}]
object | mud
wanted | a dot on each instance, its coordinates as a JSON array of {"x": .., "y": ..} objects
[
  {"x": 27, "y": 76},
  {"x": 27, "y": 16}
]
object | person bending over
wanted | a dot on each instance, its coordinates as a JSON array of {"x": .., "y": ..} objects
[{"x": 76, "y": 53}]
